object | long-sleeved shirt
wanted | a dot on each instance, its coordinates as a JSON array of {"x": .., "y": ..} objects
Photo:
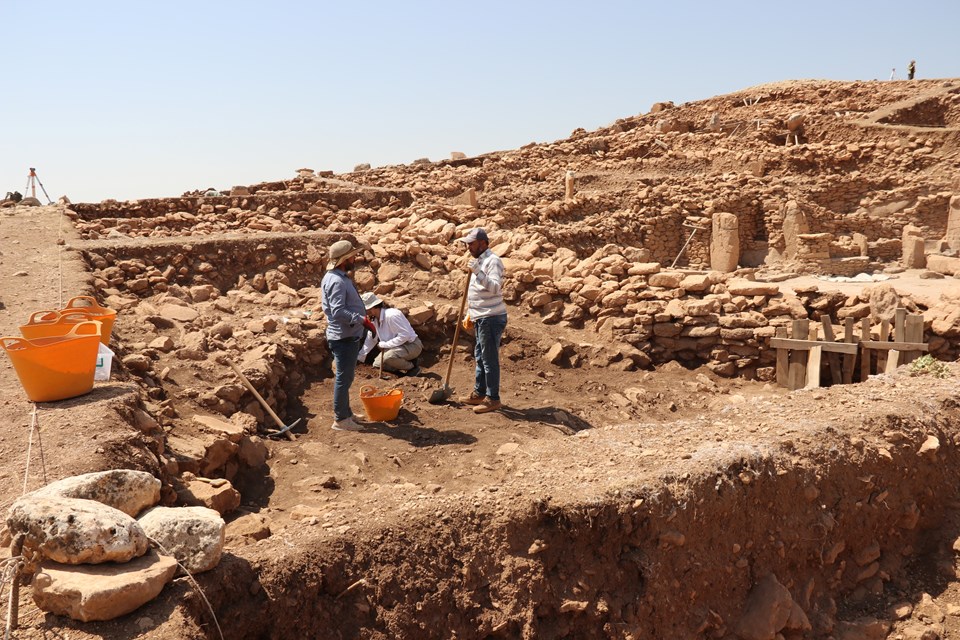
[
  {"x": 485, "y": 296},
  {"x": 342, "y": 306},
  {"x": 393, "y": 330}
]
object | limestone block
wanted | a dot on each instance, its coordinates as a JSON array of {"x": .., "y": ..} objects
[
  {"x": 748, "y": 320},
  {"x": 218, "y": 453},
  {"x": 555, "y": 354},
  {"x": 953, "y": 223},
  {"x": 768, "y": 608},
  {"x": 540, "y": 299},
  {"x": 253, "y": 452},
  {"x": 253, "y": 526},
  {"x": 75, "y": 531},
  {"x": 695, "y": 282},
  {"x": 794, "y": 224},
  {"x": 862, "y": 243},
  {"x": 883, "y": 299},
  {"x": 101, "y": 592},
  {"x": 913, "y": 248},
  {"x": 163, "y": 343},
  {"x": 725, "y": 242},
  {"x": 516, "y": 266},
  {"x": 124, "y": 489},
  {"x": 615, "y": 299},
  {"x": 665, "y": 279},
  {"x": 943, "y": 264},
  {"x": 643, "y": 268},
  {"x": 389, "y": 272},
  {"x": 179, "y": 313},
  {"x": 218, "y": 494},
  {"x": 418, "y": 315},
  {"x": 748, "y": 288},
  {"x": 795, "y": 121},
  {"x": 188, "y": 451},
  {"x": 232, "y": 431},
  {"x": 193, "y": 535}
]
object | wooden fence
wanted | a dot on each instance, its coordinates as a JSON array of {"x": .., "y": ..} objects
[{"x": 804, "y": 360}]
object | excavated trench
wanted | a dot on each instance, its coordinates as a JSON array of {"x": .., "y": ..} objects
[
  {"x": 693, "y": 545},
  {"x": 816, "y": 505}
]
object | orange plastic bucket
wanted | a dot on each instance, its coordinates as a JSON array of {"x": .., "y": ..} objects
[
  {"x": 89, "y": 306},
  {"x": 381, "y": 406},
  {"x": 46, "y": 324},
  {"x": 56, "y": 367}
]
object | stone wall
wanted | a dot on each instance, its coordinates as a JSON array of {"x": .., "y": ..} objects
[
  {"x": 134, "y": 267},
  {"x": 288, "y": 201}
]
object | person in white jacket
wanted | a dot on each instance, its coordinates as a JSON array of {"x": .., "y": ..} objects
[{"x": 397, "y": 341}]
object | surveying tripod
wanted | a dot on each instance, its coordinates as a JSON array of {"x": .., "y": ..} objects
[{"x": 32, "y": 182}]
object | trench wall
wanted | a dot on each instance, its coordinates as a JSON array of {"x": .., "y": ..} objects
[{"x": 834, "y": 517}]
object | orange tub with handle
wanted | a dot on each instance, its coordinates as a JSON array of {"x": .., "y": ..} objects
[
  {"x": 89, "y": 306},
  {"x": 381, "y": 405},
  {"x": 47, "y": 324},
  {"x": 56, "y": 367}
]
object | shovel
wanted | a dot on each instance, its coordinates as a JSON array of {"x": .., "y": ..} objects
[
  {"x": 440, "y": 395},
  {"x": 284, "y": 428}
]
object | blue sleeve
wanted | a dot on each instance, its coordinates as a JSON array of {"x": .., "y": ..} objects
[{"x": 338, "y": 305}]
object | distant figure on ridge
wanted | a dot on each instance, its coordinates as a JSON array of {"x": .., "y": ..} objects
[
  {"x": 893, "y": 73},
  {"x": 911, "y": 69}
]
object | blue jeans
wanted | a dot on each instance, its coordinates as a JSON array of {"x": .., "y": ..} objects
[
  {"x": 487, "y": 353},
  {"x": 345, "y": 353}
]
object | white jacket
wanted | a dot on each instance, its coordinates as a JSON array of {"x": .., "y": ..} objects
[{"x": 393, "y": 330}]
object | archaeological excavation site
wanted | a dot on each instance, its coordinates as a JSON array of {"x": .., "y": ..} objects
[{"x": 729, "y": 389}]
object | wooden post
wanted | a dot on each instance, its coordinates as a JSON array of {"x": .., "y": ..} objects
[
  {"x": 914, "y": 333},
  {"x": 798, "y": 359},
  {"x": 833, "y": 359},
  {"x": 783, "y": 359},
  {"x": 865, "y": 354},
  {"x": 883, "y": 354},
  {"x": 849, "y": 361},
  {"x": 813, "y": 368}
]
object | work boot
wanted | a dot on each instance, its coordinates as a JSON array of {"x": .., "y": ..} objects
[
  {"x": 487, "y": 405},
  {"x": 474, "y": 398},
  {"x": 414, "y": 372},
  {"x": 347, "y": 424}
]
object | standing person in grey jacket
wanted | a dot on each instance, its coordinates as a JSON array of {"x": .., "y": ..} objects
[
  {"x": 489, "y": 315},
  {"x": 346, "y": 318}
]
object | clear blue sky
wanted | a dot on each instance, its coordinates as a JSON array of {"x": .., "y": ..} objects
[{"x": 135, "y": 99}]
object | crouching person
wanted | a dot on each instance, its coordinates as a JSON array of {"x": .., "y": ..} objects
[{"x": 395, "y": 343}]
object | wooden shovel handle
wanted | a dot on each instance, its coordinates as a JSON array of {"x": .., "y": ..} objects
[
  {"x": 263, "y": 402},
  {"x": 456, "y": 332}
]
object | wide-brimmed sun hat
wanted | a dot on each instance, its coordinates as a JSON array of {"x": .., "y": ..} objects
[
  {"x": 340, "y": 251},
  {"x": 370, "y": 300}
]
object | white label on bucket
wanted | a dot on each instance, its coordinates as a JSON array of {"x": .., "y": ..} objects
[{"x": 104, "y": 363}]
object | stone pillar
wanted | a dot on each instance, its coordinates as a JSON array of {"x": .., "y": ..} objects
[
  {"x": 953, "y": 223},
  {"x": 725, "y": 242},
  {"x": 861, "y": 241},
  {"x": 913, "y": 253},
  {"x": 794, "y": 224},
  {"x": 569, "y": 184}
]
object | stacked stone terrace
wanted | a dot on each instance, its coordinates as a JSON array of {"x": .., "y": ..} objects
[{"x": 801, "y": 177}]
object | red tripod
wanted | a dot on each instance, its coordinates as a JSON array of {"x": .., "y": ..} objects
[{"x": 32, "y": 182}]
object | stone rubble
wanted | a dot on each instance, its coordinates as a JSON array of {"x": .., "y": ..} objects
[{"x": 95, "y": 561}]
